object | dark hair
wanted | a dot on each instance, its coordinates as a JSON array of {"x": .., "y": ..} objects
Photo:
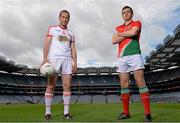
[
  {"x": 125, "y": 7},
  {"x": 64, "y": 11}
]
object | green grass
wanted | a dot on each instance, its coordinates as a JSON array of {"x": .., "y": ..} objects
[{"x": 88, "y": 112}]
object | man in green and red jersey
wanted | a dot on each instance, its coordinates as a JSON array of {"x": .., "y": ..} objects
[{"x": 129, "y": 59}]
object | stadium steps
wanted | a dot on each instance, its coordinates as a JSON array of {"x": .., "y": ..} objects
[
  {"x": 57, "y": 99},
  {"x": 135, "y": 98},
  {"x": 84, "y": 99},
  {"x": 4, "y": 99},
  {"x": 113, "y": 99},
  {"x": 98, "y": 99},
  {"x": 74, "y": 99}
]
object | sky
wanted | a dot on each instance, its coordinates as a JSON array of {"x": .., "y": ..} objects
[{"x": 24, "y": 24}]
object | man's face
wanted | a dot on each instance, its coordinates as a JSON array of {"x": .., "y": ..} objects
[
  {"x": 127, "y": 14},
  {"x": 64, "y": 19}
]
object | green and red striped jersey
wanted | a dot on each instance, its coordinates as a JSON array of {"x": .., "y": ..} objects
[{"x": 129, "y": 46}]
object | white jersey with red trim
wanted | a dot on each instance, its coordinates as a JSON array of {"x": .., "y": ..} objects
[{"x": 61, "y": 42}]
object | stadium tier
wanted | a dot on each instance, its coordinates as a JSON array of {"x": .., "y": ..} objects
[
  {"x": 158, "y": 81},
  {"x": 167, "y": 53}
]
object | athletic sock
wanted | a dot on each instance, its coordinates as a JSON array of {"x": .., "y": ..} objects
[
  {"x": 144, "y": 93},
  {"x": 48, "y": 102},
  {"x": 125, "y": 96},
  {"x": 66, "y": 101}
]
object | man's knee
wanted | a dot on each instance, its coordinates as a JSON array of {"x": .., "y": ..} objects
[
  {"x": 67, "y": 85},
  {"x": 140, "y": 82},
  {"x": 124, "y": 83},
  {"x": 52, "y": 80},
  {"x": 51, "y": 87}
]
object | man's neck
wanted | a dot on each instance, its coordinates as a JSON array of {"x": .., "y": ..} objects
[
  {"x": 63, "y": 27},
  {"x": 127, "y": 22}
]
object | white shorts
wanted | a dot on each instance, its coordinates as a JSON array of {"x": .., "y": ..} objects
[
  {"x": 63, "y": 66},
  {"x": 130, "y": 63}
]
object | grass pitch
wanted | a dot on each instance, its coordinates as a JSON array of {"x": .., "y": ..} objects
[{"x": 163, "y": 112}]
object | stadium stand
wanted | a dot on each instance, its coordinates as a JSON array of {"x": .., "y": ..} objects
[
  {"x": 85, "y": 99},
  {"x": 167, "y": 54},
  {"x": 99, "y": 99},
  {"x": 113, "y": 98}
]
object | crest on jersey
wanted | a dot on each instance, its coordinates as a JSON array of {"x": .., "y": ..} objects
[{"x": 63, "y": 38}]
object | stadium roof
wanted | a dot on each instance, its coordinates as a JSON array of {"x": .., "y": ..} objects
[
  {"x": 96, "y": 70},
  {"x": 167, "y": 54},
  {"x": 10, "y": 66}
]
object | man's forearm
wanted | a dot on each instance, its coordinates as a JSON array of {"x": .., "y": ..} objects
[
  {"x": 117, "y": 39},
  {"x": 128, "y": 34},
  {"x": 74, "y": 56},
  {"x": 46, "y": 48}
]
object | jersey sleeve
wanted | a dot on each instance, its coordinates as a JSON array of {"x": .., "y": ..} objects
[
  {"x": 50, "y": 32},
  {"x": 137, "y": 23},
  {"x": 115, "y": 31}
]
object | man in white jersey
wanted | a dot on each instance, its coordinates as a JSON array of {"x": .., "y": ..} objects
[{"x": 59, "y": 49}]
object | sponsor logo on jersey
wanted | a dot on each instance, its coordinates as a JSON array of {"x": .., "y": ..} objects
[{"x": 63, "y": 38}]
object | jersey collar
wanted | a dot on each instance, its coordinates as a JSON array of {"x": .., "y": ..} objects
[
  {"x": 129, "y": 23},
  {"x": 63, "y": 28}
]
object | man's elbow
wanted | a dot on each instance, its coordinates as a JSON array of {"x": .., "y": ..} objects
[
  {"x": 134, "y": 33},
  {"x": 114, "y": 42}
]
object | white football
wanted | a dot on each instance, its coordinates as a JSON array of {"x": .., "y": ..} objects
[{"x": 47, "y": 70}]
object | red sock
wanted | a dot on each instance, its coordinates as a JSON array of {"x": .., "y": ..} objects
[
  {"x": 125, "y": 101},
  {"x": 146, "y": 102}
]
